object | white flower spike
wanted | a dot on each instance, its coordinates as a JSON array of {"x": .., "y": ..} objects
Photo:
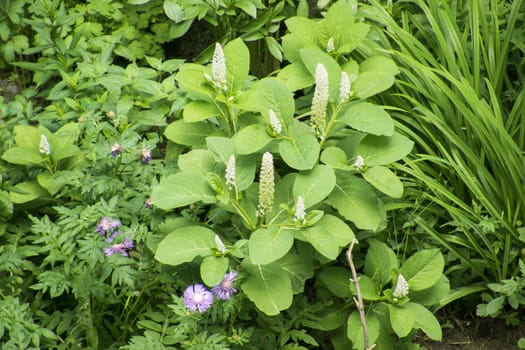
[
  {"x": 401, "y": 289},
  {"x": 359, "y": 163},
  {"x": 45, "y": 148},
  {"x": 300, "y": 213},
  {"x": 218, "y": 68},
  {"x": 344, "y": 88},
  {"x": 230, "y": 172},
  {"x": 266, "y": 185},
  {"x": 275, "y": 123},
  {"x": 320, "y": 100}
]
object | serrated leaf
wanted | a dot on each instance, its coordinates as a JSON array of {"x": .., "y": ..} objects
[{"x": 185, "y": 244}]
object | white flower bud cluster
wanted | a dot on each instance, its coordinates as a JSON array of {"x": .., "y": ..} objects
[
  {"x": 401, "y": 288},
  {"x": 266, "y": 185},
  {"x": 344, "y": 88},
  {"x": 218, "y": 68},
  {"x": 300, "y": 213},
  {"x": 45, "y": 148},
  {"x": 275, "y": 123},
  {"x": 320, "y": 100},
  {"x": 230, "y": 172}
]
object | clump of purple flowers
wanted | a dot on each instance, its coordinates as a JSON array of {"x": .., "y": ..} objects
[
  {"x": 120, "y": 248},
  {"x": 198, "y": 298},
  {"x": 108, "y": 228},
  {"x": 224, "y": 290}
]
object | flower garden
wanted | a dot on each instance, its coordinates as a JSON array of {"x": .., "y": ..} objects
[{"x": 260, "y": 174}]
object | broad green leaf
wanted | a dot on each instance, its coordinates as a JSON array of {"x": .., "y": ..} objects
[
  {"x": 433, "y": 295},
  {"x": 28, "y": 136},
  {"x": 191, "y": 79},
  {"x": 379, "y": 63},
  {"x": 425, "y": 321},
  {"x": 402, "y": 319},
  {"x": 24, "y": 192},
  {"x": 330, "y": 318},
  {"x": 369, "y": 289},
  {"x": 185, "y": 244},
  {"x": 302, "y": 151},
  {"x": 22, "y": 156},
  {"x": 423, "y": 269},
  {"x": 196, "y": 111},
  {"x": 274, "y": 94},
  {"x": 269, "y": 287},
  {"x": 371, "y": 83},
  {"x": 380, "y": 261},
  {"x": 46, "y": 181},
  {"x": 352, "y": 37},
  {"x": 189, "y": 134},
  {"x": 274, "y": 48},
  {"x": 355, "y": 199},
  {"x": 237, "y": 64},
  {"x": 321, "y": 238},
  {"x": 337, "y": 280},
  {"x": 383, "y": 150},
  {"x": 221, "y": 147},
  {"x": 312, "y": 57},
  {"x": 299, "y": 269},
  {"x": 354, "y": 330},
  {"x": 314, "y": 185},
  {"x": 213, "y": 269},
  {"x": 181, "y": 189},
  {"x": 198, "y": 161},
  {"x": 384, "y": 180},
  {"x": 299, "y": 38},
  {"x": 295, "y": 76},
  {"x": 269, "y": 244},
  {"x": 369, "y": 118},
  {"x": 336, "y": 158},
  {"x": 341, "y": 232},
  {"x": 173, "y": 10},
  {"x": 245, "y": 173},
  {"x": 251, "y": 139}
]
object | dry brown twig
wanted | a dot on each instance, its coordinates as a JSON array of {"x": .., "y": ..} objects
[{"x": 359, "y": 300}]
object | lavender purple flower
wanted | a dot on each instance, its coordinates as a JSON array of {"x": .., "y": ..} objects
[
  {"x": 145, "y": 155},
  {"x": 197, "y": 298},
  {"x": 107, "y": 225},
  {"x": 224, "y": 290},
  {"x": 120, "y": 248},
  {"x": 116, "y": 149}
]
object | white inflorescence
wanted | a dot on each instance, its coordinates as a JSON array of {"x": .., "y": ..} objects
[
  {"x": 320, "y": 100},
  {"x": 45, "y": 148},
  {"x": 300, "y": 213},
  {"x": 230, "y": 172},
  {"x": 266, "y": 185},
  {"x": 401, "y": 289},
  {"x": 220, "y": 245},
  {"x": 344, "y": 88},
  {"x": 218, "y": 67},
  {"x": 359, "y": 163},
  {"x": 275, "y": 123},
  {"x": 330, "y": 45}
]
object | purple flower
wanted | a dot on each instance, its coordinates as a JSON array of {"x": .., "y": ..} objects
[
  {"x": 120, "y": 248},
  {"x": 116, "y": 149},
  {"x": 197, "y": 297},
  {"x": 145, "y": 155},
  {"x": 225, "y": 290},
  {"x": 149, "y": 203},
  {"x": 107, "y": 225}
]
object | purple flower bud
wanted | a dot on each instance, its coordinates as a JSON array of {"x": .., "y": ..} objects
[
  {"x": 145, "y": 155},
  {"x": 116, "y": 149},
  {"x": 107, "y": 225},
  {"x": 120, "y": 248}
]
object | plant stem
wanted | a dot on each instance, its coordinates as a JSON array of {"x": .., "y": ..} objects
[{"x": 359, "y": 300}]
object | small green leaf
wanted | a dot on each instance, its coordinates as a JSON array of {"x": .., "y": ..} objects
[
  {"x": 337, "y": 280},
  {"x": 213, "y": 269},
  {"x": 371, "y": 83},
  {"x": 22, "y": 156},
  {"x": 24, "y": 192},
  {"x": 189, "y": 134},
  {"x": 380, "y": 261},
  {"x": 369, "y": 118},
  {"x": 314, "y": 185},
  {"x": 196, "y": 111},
  {"x": 191, "y": 79},
  {"x": 330, "y": 318},
  {"x": 354, "y": 329},
  {"x": 269, "y": 244},
  {"x": 173, "y": 10},
  {"x": 336, "y": 158},
  {"x": 423, "y": 269},
  {"x": 355, "y": 199},
  {"x": 299, "y": 268},
  {"x": 181, "y": 189},
  {"x": 425, "y": 321},
  {"x": 384, "y": 150},
  {"x": 237, "y": 58},
  {"x": 198, "y": 161},
  {"x": 295, "y": 76},
  {"x": 274, "y": 94},
  {"x": 402, "y": 319},
  {"x": 321, "y": 238},
  {"x": 384, "y": 180},
  {"x": 251, "y": 139},
  {"x": 185, "y": 244},
  {"x": 302, "y": 151}
]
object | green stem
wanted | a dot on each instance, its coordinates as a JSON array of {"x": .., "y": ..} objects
[{"x": 243, "y": 214}]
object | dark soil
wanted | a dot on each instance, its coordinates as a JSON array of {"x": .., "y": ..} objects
[{"x": 480, "y": 334}]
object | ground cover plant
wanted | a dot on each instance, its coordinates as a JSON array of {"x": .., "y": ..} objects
[{"x": 245, "y": 193}]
